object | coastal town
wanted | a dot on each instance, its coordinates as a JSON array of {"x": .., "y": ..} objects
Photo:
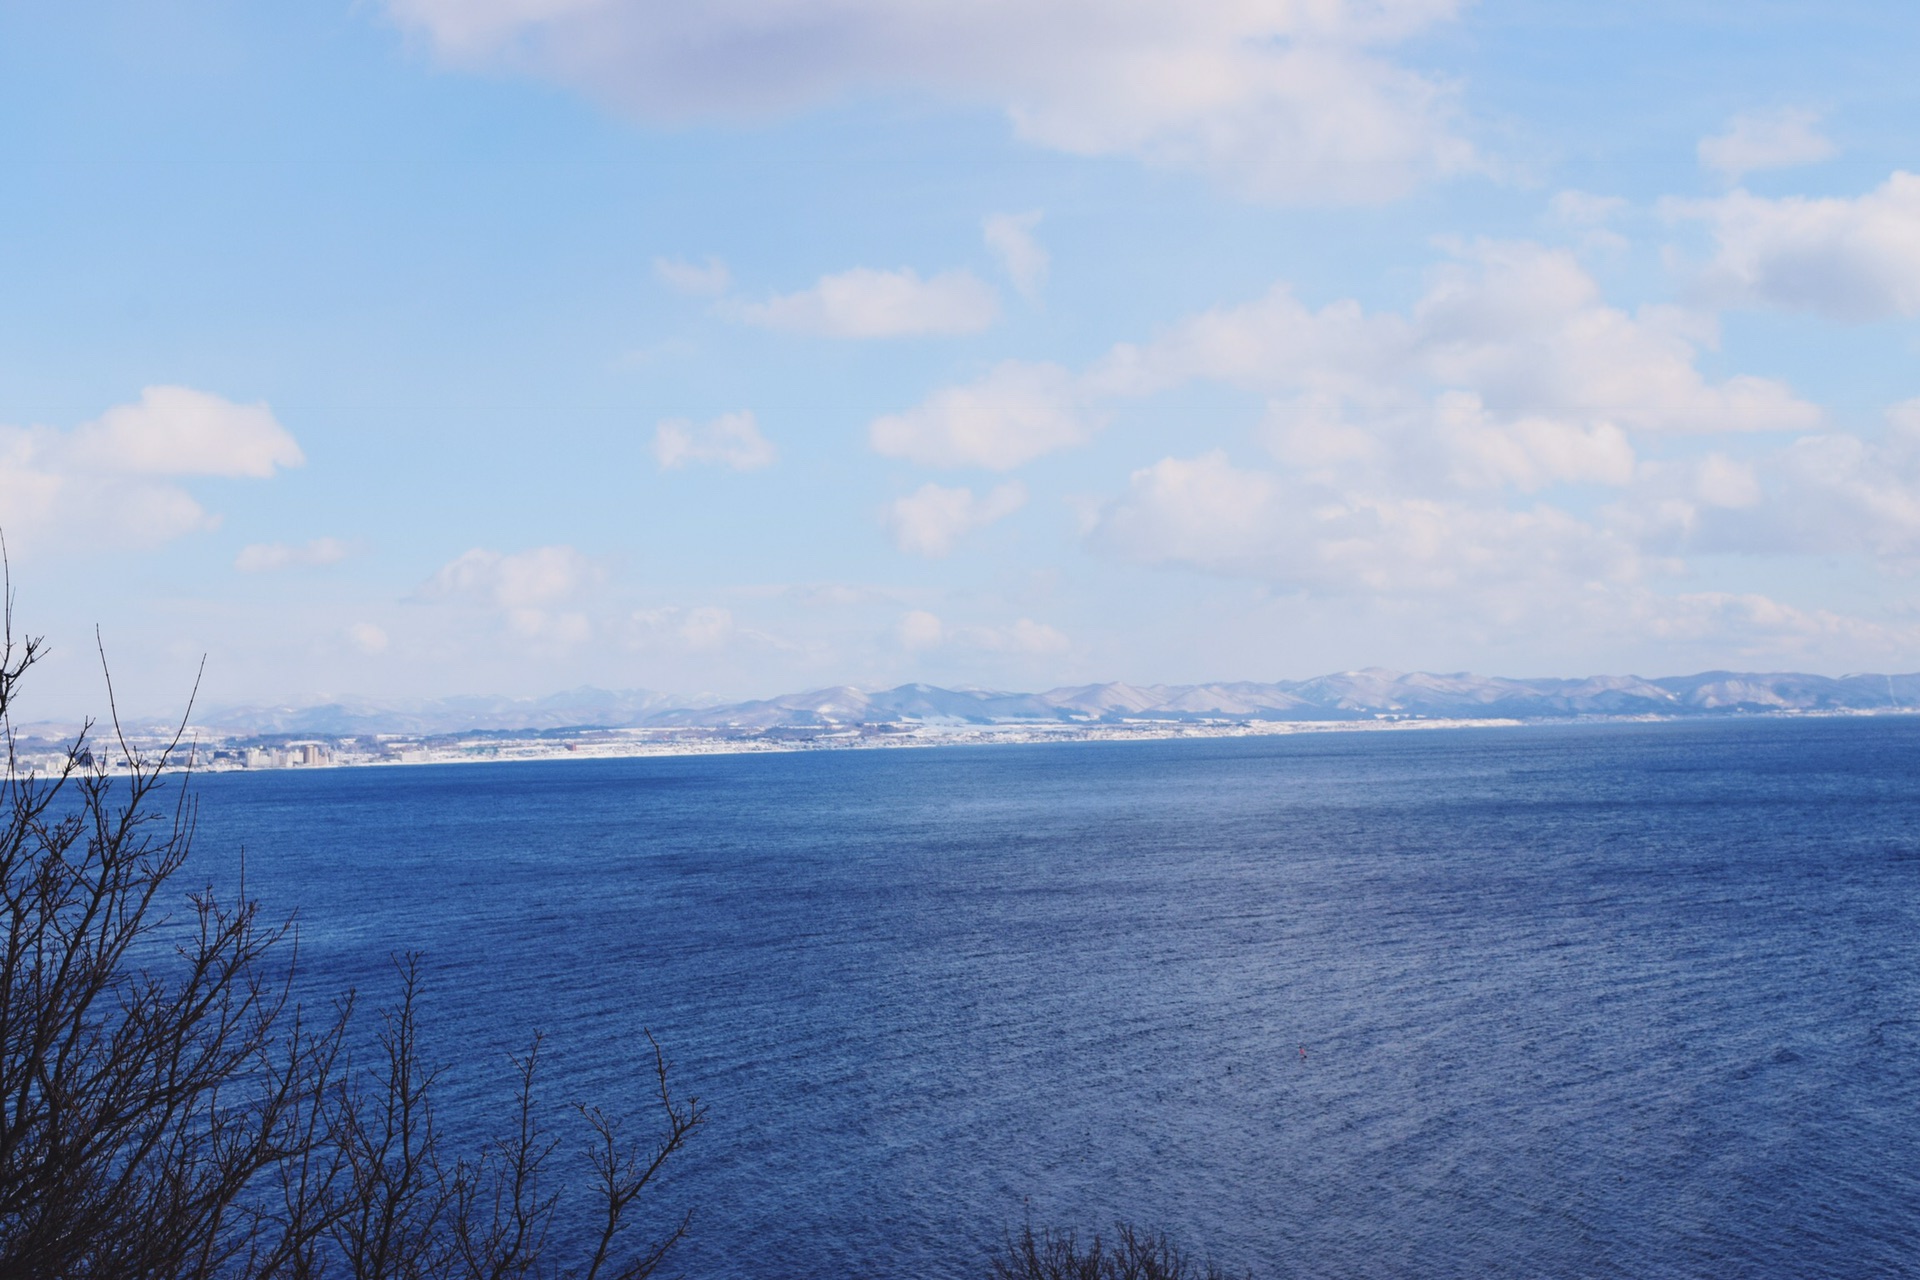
[
  {"x": 599, "y": 724},
  {"x": 217, "y": 753}
]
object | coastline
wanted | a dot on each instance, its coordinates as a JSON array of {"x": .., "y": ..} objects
[{"x": 215, "y": 753}]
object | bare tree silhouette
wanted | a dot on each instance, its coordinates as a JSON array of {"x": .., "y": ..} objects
[
  {"x": 1133, "y": 1254},
  {"x": 168, "y": 1109}
]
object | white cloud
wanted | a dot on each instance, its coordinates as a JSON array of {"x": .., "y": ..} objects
[
  {"x": 1510, "y": 450},
  {"x": 731, "y": 440},
  {"x": 1281, "y": 100},
  {"x": 1493, "y": 452},
  {"x": 919, "y": 631},
  {"x": 1584, "y": 209},
  {"x": 832, "y": 595},
  {"x": 1826, "y": 494},
  {"x": 1022, "y": 636},
  {"x": 1767, "y": 140},
  {"x": 555, "y": 629},
  {"x": 1751, "y": 627},
  {"x": 1527, "y": 330},
  {"x": 1408, "y": 443},
  {"x": 265, "y": 557},
  {"x": 1349, "y": 526},
  {"x": 1589, "y": 214},
  {"x": 864, "y": 303},
  {"x": 367, "y": 638},
  {"x": 1728, "y": 483},
  {"x": 1207, "y": 514},
  {"x": 114, "y": 480},
  {"x": 1511, "y": 369},
  {"x": 542, "y": 576},
  {"x": 1527, "y": 453},
  {"x": 1010, "y": 236},
  {"x": 1016, "y": 413},
  {"x": 1519, "y": 326},
  {"x": 931, "y": 519},
  {"x": 1851, "y": 259},
  {"x": 707, "y": 279},
  {"x": 1202, "y": 512},
  {"x": 177, "y": 431},
  {"x": 684, "y": 630},
  {"x": 526, "y": 590}
]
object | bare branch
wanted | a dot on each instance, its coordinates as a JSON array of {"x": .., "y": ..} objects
[{"x": 168, "y": 1108}]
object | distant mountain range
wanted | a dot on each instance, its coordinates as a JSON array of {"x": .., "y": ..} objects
[{"x": 1349, "y": 695}]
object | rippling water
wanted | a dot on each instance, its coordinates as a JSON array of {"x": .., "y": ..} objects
[{"x": 1574, "y": 1001}]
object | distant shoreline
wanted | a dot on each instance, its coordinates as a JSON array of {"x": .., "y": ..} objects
[
  {"x": 1364, "y": 698},
  {"x": 219, "y": 754}
]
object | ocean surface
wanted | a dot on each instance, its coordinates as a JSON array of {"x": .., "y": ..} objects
[{"x": 1581, "y": 1001}]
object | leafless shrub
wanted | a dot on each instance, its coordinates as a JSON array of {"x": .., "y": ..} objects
[
  {"x": 1132, "y": 1254},
  {"x": 168, "y": 1110}
]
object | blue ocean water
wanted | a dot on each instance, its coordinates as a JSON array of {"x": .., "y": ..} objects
[{"x": 1615, "y": 1000}]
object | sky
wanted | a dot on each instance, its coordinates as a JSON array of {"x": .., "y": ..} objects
[{"x": 416, "y": 348}]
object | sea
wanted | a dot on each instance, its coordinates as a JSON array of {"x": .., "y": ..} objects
[{"x": 1591, "y": 1000}]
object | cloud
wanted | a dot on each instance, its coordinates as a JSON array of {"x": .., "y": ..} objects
[
  {"x": 114, "y": 480},
  {"x": 919, "y": 631},
  {"x": 1014, "y": 414},
  {"x": 1520, "y": 326},
  {"x": 1769, "y": 140},
  {"x": 864, "y": 303},
  {"x": 525, "y": 590},
  {"x": 1022, "y": 636},
  {"x": 1749, "y": 623},
  {"x": 685, "y": 630},
  {"x": 1348, "y": 526},
  {"x": 1510, "y": 369},
  {"x": 1351, "y": 526},
  {"x": 833, "y": 595},
  {"x": 1010, "y": 236},
  {"x": 701, "y": 280},
  {"x": 367, "y": 638},
  {"x": 1831, "y": 493},
  {"x": 1202, "y": 512},
  {"x": 177, "y": 431},
  {"x": 1584, "y": 209},
  {"x": 1852, "y": 259},
  {"x": 1589, "y": 214},
  {"x": 731, "y": 440},
  {"x": 931, "y": 519},
  {"x": 1205, "y": 513},
  {"x": 1508, "y": 452},
  {"x": 1526, "y": 453},
  {"x": 266, "y": 557},
  {"x": 1282, "y": 101},
  {"x": 542, "y": 576}
]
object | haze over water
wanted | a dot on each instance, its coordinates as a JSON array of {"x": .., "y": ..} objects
[{"x": 1614, "y": 1000}]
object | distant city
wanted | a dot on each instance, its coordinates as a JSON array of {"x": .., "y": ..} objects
[{"x": 596, "y": 723}]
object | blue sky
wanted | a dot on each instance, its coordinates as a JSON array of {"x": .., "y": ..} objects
[{"x": 499, "y": 346}]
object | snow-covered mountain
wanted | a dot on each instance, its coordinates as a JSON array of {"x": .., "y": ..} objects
[
  {"x": 1348, "y": 695},
  {"x": 348, "y": 717}
]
